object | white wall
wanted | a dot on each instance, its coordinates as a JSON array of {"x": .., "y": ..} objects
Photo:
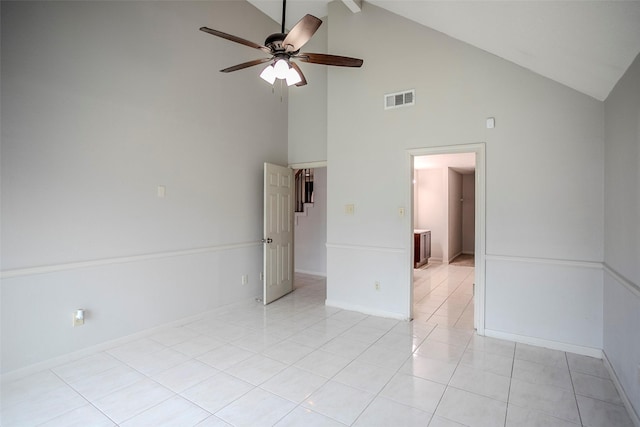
[
  {"x": 468, "y": 213},
  {"x": 622, "y": 231},
  {"x": 308, "y": 107},
  {"x": 454, "y": 223},
  {"x": 544, "y": 180},
  {"x": 311, "y": 230},
  {"x": 101, "y": 103}
]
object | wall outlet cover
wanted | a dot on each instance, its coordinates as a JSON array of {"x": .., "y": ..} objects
[{"x": 491, "y": 123}]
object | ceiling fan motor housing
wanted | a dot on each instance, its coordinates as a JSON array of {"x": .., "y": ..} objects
[{"x": 274, "y": 41}]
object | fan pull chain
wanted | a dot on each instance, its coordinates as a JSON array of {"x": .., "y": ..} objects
[{"x": 281, "y": 90}]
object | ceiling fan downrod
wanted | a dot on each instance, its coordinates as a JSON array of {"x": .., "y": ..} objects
[{"x": 284, "y": 13}]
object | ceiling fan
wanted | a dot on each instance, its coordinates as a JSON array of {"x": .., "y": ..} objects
[{"x": 283, "y": 47}]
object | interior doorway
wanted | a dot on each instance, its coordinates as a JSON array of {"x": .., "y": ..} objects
[
  {"x": 310, "y": 229},
  {"x": 454, "y": 226},
  {"x": 444, "y": 204}
]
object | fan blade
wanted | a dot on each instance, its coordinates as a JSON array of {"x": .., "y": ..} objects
[
  {"x": 301, "y": 33},
  {"x": 295, "y": 67},
  {"x": 245, "y": 65},
  {"x": 235, "y": 39},
  {"x": 321, "y": 58}
]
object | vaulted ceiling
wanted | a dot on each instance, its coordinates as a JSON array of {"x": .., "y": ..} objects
[{"x": 586, "y": 45}]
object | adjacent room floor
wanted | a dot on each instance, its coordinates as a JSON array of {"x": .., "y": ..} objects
[{"x": 299, "y": 363}]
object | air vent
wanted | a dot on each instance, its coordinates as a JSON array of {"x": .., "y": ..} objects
[{"x": 400, "y": 99}]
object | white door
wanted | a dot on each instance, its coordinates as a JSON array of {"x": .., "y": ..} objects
[{"x": 278, "y": 232}]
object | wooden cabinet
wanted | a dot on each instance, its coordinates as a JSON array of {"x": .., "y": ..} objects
[{"x": 421, "y": 247}]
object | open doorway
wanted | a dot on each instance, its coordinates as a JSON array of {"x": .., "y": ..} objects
[
  {"x": 447, "y": 199},
  {"x": 310, "y": 229},
  {"x": 444, "y": 235},
  {"x": 444, "y": 205}
]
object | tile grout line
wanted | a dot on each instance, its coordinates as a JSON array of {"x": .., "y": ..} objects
[
  {"x": 296, "y": 405},
  {"x": 513, "y": 362},
  {"x": 327, "y": 379},
  {"x": 398, "y": 371},
  {"x": 453, "y": 326},
  {"x": 79, "y": 394},
  {"x": 450, "y": 378},
  {"x": 149, "y": 377},
  {"x": 573, "y": 388},
  {"x": 376, "y": 395},
  {"x": 448, "y": 296}
]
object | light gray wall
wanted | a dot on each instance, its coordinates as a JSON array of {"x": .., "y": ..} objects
[
  {"x": 454, "y": 214},
  {"x": 101, "y": 103},
  {"x": 468, "y": 213},
  {"x": 311, "y": 230},
  {"x": 622, "y": 231},
  {"x": 308, "y": 107},
  {"x": 544, "y": 181}
]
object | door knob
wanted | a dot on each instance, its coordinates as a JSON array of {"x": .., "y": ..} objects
[{"x": 267, "y": 240}]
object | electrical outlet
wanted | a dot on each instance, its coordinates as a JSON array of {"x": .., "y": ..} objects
[
  {"x": 401, "y": 211},
  {"x": 261, "y": 276},
  {"x": 245, "y": 279},
  {"x": 78, "y": 318},
  {"x": 377, "y": 285},
  {"x": 349, "y": 209}
]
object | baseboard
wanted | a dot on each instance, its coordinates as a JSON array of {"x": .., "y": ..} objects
[
  {"x": 555, "y": 345},
  {"x": 312, "y": 273},
  {"x": 454, "y": 257},
  {"x": 635, "y": 418},
  {"x": 88, "y": 351},
  {"x": 365, "y": 310}
]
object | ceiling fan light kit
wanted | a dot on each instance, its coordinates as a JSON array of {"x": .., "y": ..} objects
[
  {"x": 283, "y": 47},
  {"x": 293, "y": 77},
  {"x": 268, "y": 74},
  {"x": 280, "y": 70}
]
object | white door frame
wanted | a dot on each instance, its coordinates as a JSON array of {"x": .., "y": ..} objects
[
  {"x": 309, "y": 165},
  {"x": 480, "y": 221}
]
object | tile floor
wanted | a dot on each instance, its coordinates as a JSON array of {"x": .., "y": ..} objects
[{"x": 299, "y": 363}]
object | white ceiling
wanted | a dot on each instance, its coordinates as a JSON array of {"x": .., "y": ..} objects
[{"x": 586, "y": 45}]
